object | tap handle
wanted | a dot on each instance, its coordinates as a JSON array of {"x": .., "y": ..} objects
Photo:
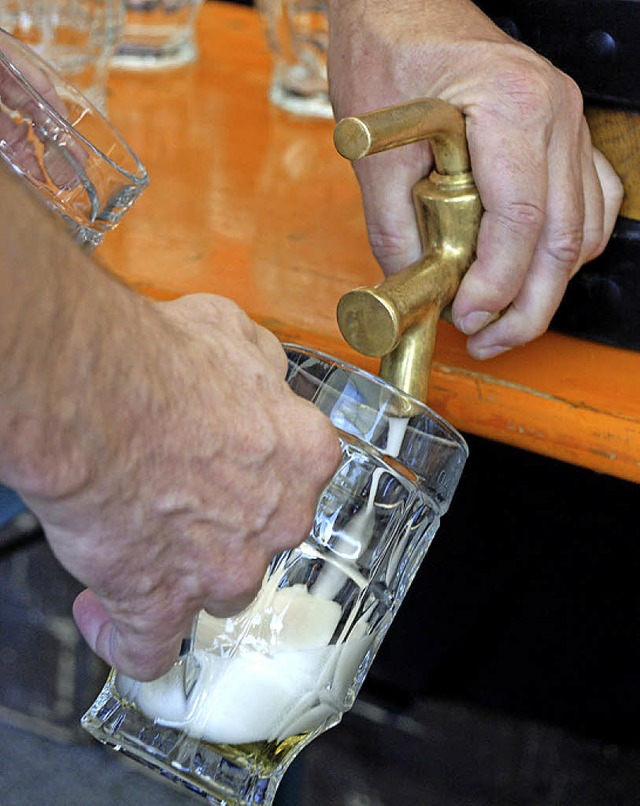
[
  {"x": 397, "y": 318},
  {"x": 424, "y": 119}
]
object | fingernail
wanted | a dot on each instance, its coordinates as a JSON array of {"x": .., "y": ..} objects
[
  {"x": 490, "y": 351},
  {"x": 473, "y": 322}
]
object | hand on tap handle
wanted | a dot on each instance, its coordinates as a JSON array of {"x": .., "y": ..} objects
[{"x": 550, "y": 198}]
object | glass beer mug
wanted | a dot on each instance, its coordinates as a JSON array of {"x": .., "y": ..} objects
[{"x": 251, "y": 691}]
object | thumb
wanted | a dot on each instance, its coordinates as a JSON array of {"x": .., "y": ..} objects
[{"x": 142, "y": 656}]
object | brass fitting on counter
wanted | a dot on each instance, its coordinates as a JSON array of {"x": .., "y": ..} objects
[{"x": 397, "y": 318}]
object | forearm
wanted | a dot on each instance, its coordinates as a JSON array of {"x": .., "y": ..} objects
[
  {"x": 157, "y": 443},
  {"x": 65, "y": 345}
]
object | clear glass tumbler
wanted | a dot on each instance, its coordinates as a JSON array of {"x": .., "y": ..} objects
[
  {"x": 53, "y": 136},
  {"x": 158, "y": 34},
  {"x": 297, "y": 33},
  {"x": 251, "y": 691}
]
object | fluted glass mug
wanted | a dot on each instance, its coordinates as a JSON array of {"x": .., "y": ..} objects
[{"x": 251, "y": 691}]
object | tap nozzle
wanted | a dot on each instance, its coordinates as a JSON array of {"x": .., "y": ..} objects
[{"x": 397, "y": 318}]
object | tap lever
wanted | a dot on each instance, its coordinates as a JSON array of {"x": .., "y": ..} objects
[{"x": 424, "y": 119}]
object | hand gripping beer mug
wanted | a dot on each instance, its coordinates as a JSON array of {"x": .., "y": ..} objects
[{"x": 251, "y": 691}]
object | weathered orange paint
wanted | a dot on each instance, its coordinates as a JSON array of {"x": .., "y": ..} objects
[{"x": 249, "y": 202}]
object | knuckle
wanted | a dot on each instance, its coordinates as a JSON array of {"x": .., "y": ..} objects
[
  {"x": 237, "y": 583},
  {"x": 525, "y": 84},
  {"x": 327, "y": 447},
  {"x": 522, "y": 215},
  {"x": 569, "y": 95},
  {"x": 528, "y": 96},
  {"x": 387, "y": 244},
  {"x": 565, "y": 249},
  {"x": 526, "y": 330},
  {"x": 534, "y": 90}
]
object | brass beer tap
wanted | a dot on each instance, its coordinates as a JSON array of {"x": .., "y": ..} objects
[{"x": 397, "y": 318}]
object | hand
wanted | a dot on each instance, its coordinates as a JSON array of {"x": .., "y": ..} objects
[
  {"x": 550, "y": 198},
  {"x": 213, "y": 466}
]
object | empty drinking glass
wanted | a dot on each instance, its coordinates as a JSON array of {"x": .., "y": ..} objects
[
  {"x": 298, "y": 35},
  {"x": 53, "y": 136},
  {"x": 158, "y": 34}
]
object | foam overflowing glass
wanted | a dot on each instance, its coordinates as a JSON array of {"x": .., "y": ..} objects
[{"x": 251, "y": 691}]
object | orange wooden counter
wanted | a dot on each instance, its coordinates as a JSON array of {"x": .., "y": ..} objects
[{"x": 251, "y": 203}]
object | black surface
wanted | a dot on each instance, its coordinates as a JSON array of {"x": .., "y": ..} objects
[
  {"x": 593, "y": 41},
  {"x": 602, "y": 302},
  {"x": 434, "y": 754},
  {"x": 528, "y": 600}
]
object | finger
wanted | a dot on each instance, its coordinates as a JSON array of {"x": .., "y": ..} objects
[
  {"x": 561, "y": 252},
  {"x": 16, "y": 144},
  {"x": 613, "y": 195},
  {"x": 63, "y": 158},
  {"x": 557, "y": 249},
  {"x": 594, "y": 204},
  {"x": 270, "y": 346},
  {"x": 510, "y": 170},
  {"x": 386, "y": 183},
  {"x": 33, "y": 70},
  {"x": 241, "y": 583},
  {"x": 223, "y": 608},
  {"x": 527, "y": 317},
  {"x": 64, "y": 162},
  {"x": 143, "y": 656}
]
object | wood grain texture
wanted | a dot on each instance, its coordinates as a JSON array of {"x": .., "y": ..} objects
[{"x": 616, "y": 133}]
